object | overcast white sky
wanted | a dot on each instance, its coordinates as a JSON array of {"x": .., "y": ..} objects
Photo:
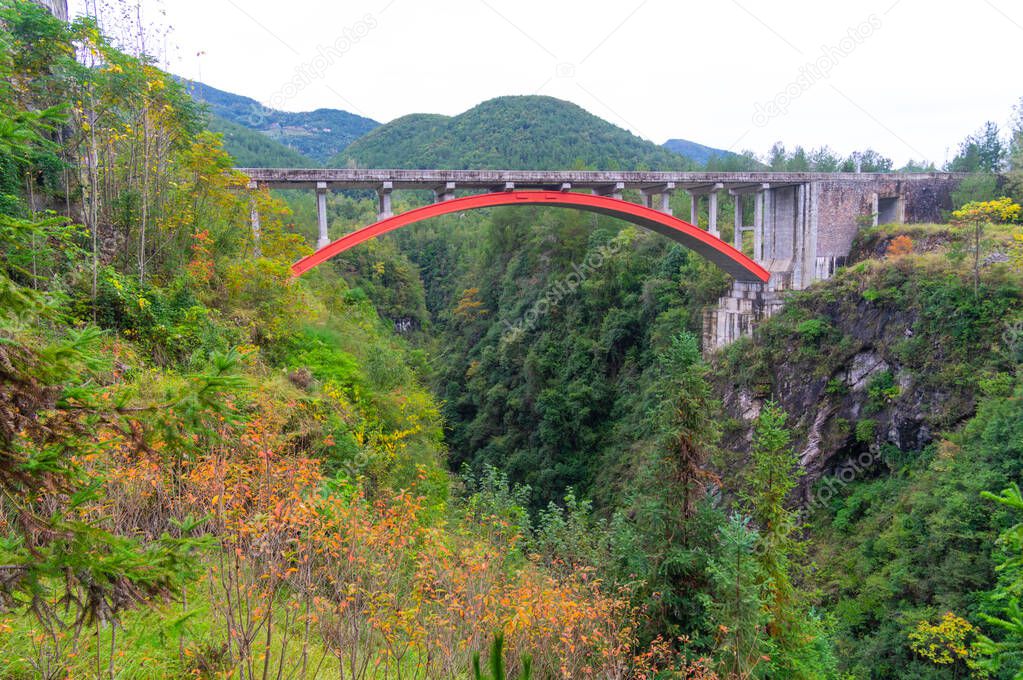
[{"x": 910, "y": 77}]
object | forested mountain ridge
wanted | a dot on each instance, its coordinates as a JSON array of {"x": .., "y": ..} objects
[
  {"x": 211, "y": 468},
  {"x": 515, "y": 133},
  {"x": 253, "y": 149},
  {"x": 701, "y": 153},
  {"x": 318, "y": 135},
  {"x": 569, "y": 136}
]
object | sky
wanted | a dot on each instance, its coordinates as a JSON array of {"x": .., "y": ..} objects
[{"x": 909, "y": 78}]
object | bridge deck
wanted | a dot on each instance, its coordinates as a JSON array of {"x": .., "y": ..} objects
[{"x": 357, "y": 178}]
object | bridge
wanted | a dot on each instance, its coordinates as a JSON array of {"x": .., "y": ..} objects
[{"x": 800, "y": 225}]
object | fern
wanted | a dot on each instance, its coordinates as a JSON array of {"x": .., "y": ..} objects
[{"x": 497, "y": 671}]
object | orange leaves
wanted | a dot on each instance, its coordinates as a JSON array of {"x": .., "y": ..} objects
[
  {"x": 900, "y": 245},
  {"x": 380, "y": 580},
  {"x": 200, "y": 267}
]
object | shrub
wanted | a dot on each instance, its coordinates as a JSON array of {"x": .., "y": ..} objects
[
  {"x": 881, "y": 390},
  {"x": 813, "y": 330},
  {"x": 865, "y": 430},
  {"x": 900, "y": 245},
  {"x": 837, "y": 387}
]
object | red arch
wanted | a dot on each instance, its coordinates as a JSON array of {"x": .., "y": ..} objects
[{"x": 714, "y": 249}]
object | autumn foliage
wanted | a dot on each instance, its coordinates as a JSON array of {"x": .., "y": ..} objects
[
  {"x": 308, "y": 571},
  {"x": 899, "y": 246}
]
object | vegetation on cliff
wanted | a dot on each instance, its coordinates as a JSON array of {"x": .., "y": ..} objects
[
  {"x": 207, "y": 467},
  {"x": 492, "y": 427}
]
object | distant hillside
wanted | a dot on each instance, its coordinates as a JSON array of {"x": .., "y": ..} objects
[
  {"x": 318, "y": 134},
  {"x": 700, "y": 152},
  {"x": 252, "y": 149},
  {"x": 520, "y": 132}
]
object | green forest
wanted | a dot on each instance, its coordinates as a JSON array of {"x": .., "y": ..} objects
[{"x": 391, "y": 467}]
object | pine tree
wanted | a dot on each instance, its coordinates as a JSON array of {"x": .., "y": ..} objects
[
  {"x": 689, "y": 406},
  {"x": 772, "y": 478},
  {"x": 801, "y": 648},
  {"x": 739, "y": 609},
  {"x": 674, "y": 527},
  {"x": 1004, "y": 617}
]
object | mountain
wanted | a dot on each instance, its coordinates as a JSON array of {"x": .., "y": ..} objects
[
  {"x": 515, "y": 132},
  {"x": 317, "y": 135},
  {"x": 698, "y": 152},
  {"x": 252, "y": 149}
]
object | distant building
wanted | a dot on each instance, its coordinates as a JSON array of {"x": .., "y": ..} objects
[{"x": 57, "y": 7}]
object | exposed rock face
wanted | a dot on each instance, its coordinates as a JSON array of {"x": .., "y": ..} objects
[
  {"x": 852, "y": 399},
  {"x": 862, "y": 366}
]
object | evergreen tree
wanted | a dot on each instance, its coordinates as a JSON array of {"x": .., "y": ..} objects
[
  {"x": 1003, "y": 655},
  {"x": 981, "y": 151},
  {"x": 777, "y": 157},
  {"x": 772, "y": 477},
  {"x": 742, "y": 645},
  {"x": 1014, "y": 183},
  {"x": 690, "y": 408},
  {"x": 801, "y": 651},
  {"x": 671, "y": 524}
]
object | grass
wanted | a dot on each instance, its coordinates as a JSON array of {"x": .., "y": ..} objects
[
  {"x": 997, "y": 236},
  {"x": 165, "y": 640},
  {"x": 147, "y": 643}
]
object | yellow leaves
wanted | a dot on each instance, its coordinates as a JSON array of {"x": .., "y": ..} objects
[
  {"x": 944, "y": 643},
  {"x": 470, "y": 307},
  {"x": 983, "y": 212},
  {"x": 371, "y": 576}
]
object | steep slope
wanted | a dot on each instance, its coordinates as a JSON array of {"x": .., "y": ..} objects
[
  {"x": 520, "y": 132},
  {"x": 251, "y": 149},
  {"x": 318, "y": 134},
  {"x": 889, "y": 353}
]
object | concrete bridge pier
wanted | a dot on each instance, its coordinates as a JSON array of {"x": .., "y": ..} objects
[
  {"x": 444, "y": 192},
  {"x": 738, "y": 313},
  {"x": 740, "y": 194},
  {"x": 711, "y": 192},
  {"x": 321, "y": 215},
  {"x": 384, "y": 200},
  {"x": 663, "y": 191},
  {"x": 712, "y": 214},
  {"x": 257, "y": 249},
  {"x": 613, "y": 190}
]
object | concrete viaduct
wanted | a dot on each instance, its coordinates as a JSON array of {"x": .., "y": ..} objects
[{"x": 798, "y": 226}]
